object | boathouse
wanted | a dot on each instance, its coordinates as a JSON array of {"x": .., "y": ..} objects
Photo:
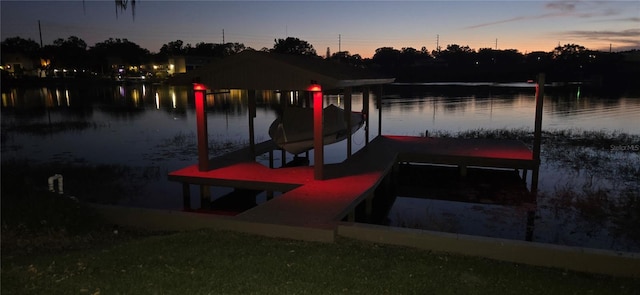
[{"x": 314, "y": 199}]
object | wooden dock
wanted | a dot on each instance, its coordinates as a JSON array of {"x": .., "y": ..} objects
[{"x": 322, "y": 204}]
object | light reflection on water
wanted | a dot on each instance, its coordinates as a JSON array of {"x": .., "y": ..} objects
[{"x": 154, "y": 126}]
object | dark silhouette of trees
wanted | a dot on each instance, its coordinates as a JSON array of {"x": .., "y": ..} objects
[
  {"x": 346, "y": 58},
  {"x": 293, "y": 46},
  {"x": 387, "y": 58},
  {"x": 173, "y": 48},
  {"x": 117, "y": 52},
  {"x": 70, "y": 53},
  {"x": 19, "y": 45},
  {"x": 566, "y": 63},
  {"x": 215, "y": 50}
]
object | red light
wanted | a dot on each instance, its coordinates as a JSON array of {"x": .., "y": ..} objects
[
  {"x": 199, "y": 87},
  {"x": 314, "y": 88}
]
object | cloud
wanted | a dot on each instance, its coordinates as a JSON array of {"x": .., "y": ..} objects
[
  {"x": 632, "y": 33},
  {"x": 557, "y": 9},
  {"x": 624, "y": 38},
  {"x": 563, "y": 6}
]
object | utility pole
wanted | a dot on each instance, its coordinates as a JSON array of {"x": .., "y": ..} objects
[
  {"x": 438, "y": 43},
  {"x": 223, "y": 36},
  {"x": 40, "y": 31},
  {"x": 339, "y": 42},
  {"x": 496, "y": 43}
]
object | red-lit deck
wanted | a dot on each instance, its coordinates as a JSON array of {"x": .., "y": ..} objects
[{"x": 322, "y": 203}]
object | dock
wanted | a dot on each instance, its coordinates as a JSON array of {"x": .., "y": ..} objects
[
  {"x": 307, "y": 203},
  {"x": 317, "y": 198}
]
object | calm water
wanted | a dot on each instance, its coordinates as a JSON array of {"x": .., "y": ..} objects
[{"x": 154, "y": 126}]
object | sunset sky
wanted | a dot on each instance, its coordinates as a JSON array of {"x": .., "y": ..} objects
[{"x": 363, "y": 26}]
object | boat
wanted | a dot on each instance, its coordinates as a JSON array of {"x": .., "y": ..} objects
[{"x": 293, "y": 131}]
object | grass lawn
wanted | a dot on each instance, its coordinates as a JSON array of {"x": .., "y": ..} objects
[{"x": 215, "y": 262}]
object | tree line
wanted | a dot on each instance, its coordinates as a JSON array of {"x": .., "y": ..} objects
[{"x": 570, "y": 62}]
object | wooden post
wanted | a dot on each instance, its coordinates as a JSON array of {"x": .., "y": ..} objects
[
  {"x": 365, "y": 112},
  {"x": 318, "y": 136},
  {"x": 201, "y": 123},
  {"x": 379, "y": 105},
  {"x": 270, "y": 158},
  {"x": 347, "y": 118},
  {"x": 252, "y": 114},
  {"x": 205, "y": 197},
  {"x": 283, "y": 160},
  {"x": 463, "y": 170},
  {"x": 284, "y": 103},
  {"x": 537, "y": 133},
  {"x": 538, "y": 119},
  {"x": 186, "y": 196},
  {"x": 369, "y": 206}
]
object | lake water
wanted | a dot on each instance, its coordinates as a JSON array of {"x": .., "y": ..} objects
[{"x": 154, "y": 126}]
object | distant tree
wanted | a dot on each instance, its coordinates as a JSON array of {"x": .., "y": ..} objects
[
  {"x": 293, "y": 46},
  {"x": 346, "y": 58},
  {"x": 569, "y": 52},
  {"x": 386, "y": 57},
  {"x": 20, "y": 45},
  {"x": 173, "y": 48},
  {"x": 103, "y": 54},
  {"x": 67, "y": 53},
  {"x": 458, "y": 56},
  {"x": 222, "y": 50},
  {"x": 409, "y": 56},
  {"x": 508, "y": 57},
  {"x": 211, "y": 49}
]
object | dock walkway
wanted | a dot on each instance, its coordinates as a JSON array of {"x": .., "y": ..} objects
[{"x": 321, "y": 204}]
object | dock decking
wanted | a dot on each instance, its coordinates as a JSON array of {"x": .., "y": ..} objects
[{"x": 321, "y": 204}]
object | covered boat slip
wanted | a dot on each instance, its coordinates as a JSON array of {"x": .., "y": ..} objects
[
  {"x": 318, "y": 197},
  {"x": 322, "y": 204}
]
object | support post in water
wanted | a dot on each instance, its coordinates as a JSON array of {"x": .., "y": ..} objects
[
  {"x": 537, "y": 133},
  {"x": 365, "y": 112},
  {"x": 201, "y": 122},
  {"x": 252, "y": 114},
  {"x": 347, "y": 118}
]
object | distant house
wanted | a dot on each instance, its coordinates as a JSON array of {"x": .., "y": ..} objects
[
  {"x": 19, "y": 65},
  {"x": 183, "y": 64}
]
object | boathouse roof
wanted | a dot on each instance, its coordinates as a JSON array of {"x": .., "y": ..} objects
[{"x": 271, "y": 71}]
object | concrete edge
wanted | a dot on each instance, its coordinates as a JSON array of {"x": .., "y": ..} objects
[
  {"x": 547, "y": 255},
  {"x": 171, "y": 220}
]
